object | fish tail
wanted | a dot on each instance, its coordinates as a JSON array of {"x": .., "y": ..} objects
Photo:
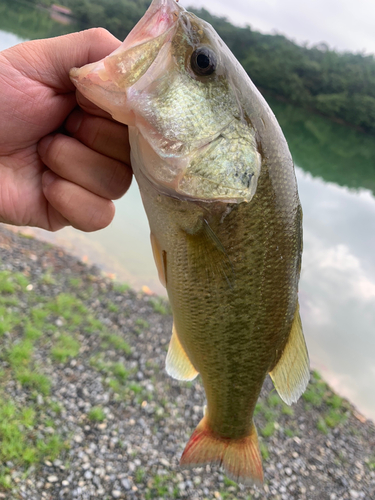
[{"x": 240, "y": 458}]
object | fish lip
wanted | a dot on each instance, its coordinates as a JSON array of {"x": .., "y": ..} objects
[{"x": 159, "y": 18}]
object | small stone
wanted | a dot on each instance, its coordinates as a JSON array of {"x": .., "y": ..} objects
[
  {"x": 88, "y": 474},
  {"x": 126, "y": 484},
  {"x": 65, "y": 483},
  {"x": 116, "y": 494},
  {"x": 288, "y": 471},
  {"x": 354, "y": 494},
  {"x": 78, "y": 438},
  {"x": 52, "y": 479}
]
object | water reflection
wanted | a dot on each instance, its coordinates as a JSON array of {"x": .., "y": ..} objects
[{"x": 337, "y": 290}]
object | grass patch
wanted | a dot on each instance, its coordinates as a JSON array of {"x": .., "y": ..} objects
[
  {"x": 117, "y": 342},
  {"x": 142, "y": 323},
  {"x": 159, "y": 305},
  {"x": 20, "y": 354},
  {"x": 17, "y": 439},
  {"x": 8, "y": 320},
  {"x": 31, "y": 332},
  {"x": 121, "y": 287},
  {"x": 112, "y": 307},
  {"x": 268, "y": 429},
  {"x": 335, "y": 417},
  {"x": 65, "y": 348},
  {"x": 34, "y": 380},
  {"x": 96, "y": 414}
]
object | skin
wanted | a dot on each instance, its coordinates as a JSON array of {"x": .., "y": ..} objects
[{"x": 62, "y": 159}]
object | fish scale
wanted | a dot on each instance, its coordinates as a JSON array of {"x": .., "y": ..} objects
[{"x": 218, "y": 186}]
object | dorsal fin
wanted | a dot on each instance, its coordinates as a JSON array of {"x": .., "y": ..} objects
[
  {"x": 178, "y": 364},
  {"x": 291, "y": 374}
]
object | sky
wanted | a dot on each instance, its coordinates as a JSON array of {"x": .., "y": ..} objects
[{"x": 345, "y": 25}]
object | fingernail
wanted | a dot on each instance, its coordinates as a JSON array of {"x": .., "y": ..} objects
[
  {"x": 74, "y": 121},
  {"x": 44, "y": 144},
  {"x": 48, "y": 178}
]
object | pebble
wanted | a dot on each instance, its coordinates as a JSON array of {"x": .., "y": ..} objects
[
  {"x": 116, "y": 494},
  {"x": 52, "y": 479}
]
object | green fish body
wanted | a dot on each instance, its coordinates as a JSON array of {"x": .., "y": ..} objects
[{"x": 218, "y": 186}]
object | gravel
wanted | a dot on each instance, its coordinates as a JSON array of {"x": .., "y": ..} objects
[{"x": 322, "y": 449}]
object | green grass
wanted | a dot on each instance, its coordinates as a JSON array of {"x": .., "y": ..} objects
[
  {"x": 159, "y": 305},
  {"x": 322, "y": 426},
  {"x": 119, "y": 371},
  {"x": 65, "y": 348},
  {"x": 139, "y": 475},
  {"x": 31, "y": 332},
  {"x": 268, "y": 429},
  {"x": 117, "y": 342},
  {"x": 121, "y": 287},
  {"x": 75, "y": 282},
  {"x": 142, "y": 323},
  {"x": 7, "y": 284},
  {"x": 335, "y": 417},
  {"x": 20, "y": 354},
  {"x": 96, "y": 414},
  {"x": 112, "y": 307},
  {"x": 8, "y": 320},
  {"x": 33, "y": 380},
  {"x": 18, "y": 441}
]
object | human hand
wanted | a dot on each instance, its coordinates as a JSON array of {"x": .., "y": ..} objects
[{"x": 54, "y": 174}]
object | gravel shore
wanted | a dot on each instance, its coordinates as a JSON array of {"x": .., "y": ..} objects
[{"x": 82, "y": 375}]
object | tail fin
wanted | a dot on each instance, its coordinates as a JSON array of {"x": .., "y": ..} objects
[{"x": 240, "y": 458}]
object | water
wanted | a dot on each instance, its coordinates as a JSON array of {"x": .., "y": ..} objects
[{"x": 336, "y": 177}]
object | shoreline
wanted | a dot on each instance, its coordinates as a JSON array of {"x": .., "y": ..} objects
[{"x": 85, "y": 357}]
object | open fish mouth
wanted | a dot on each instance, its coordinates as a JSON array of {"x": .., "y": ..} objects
[{"x": 123, "y": 67}]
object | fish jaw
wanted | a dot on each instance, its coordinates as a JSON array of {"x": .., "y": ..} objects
[{"x": 107, "y": 82}]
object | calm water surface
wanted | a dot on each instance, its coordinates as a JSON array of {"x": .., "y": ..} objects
[{"x": 336, "y": 177}]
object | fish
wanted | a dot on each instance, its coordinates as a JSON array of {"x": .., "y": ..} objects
[{"x": 218, "y": 186}]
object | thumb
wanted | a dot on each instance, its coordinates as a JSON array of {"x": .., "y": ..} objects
[{"x": 62, "y": 53}]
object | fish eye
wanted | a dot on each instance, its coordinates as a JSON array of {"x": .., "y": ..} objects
[{"x": 203, "y": 61}]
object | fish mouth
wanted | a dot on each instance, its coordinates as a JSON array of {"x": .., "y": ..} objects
[{"x": 107, "y": 81}]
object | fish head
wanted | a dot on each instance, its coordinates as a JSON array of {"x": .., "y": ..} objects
[{"x": 174, "y": 80}]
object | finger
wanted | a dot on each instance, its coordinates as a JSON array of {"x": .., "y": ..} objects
[
  {"x": 90, "y": 107},
  {"x": 62, "y": 53},
  {"x": 77, "y": 163},
  {"x": 100, "y": 134},
  {"x": 81, "y": 208}
]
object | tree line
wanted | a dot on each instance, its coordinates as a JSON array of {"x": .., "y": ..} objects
[{"x": 338, "y": 85}]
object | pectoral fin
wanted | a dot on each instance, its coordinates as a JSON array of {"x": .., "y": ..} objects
[
  {"x": 177, "y": 364},
  {"x": 160, "y": 258},
  {"x": 291, "y": 374},
  {"x": 205, "y": 248}
]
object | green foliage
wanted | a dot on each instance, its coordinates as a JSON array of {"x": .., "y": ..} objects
[
  {"x": 268, "y": 429},
  {"x": 34, "y": 380},
  {"x": 96, "y": 414},
  {"x": 18, "y": 442},
  {"x": 118, "y": 343},
  {"x": 160, "y": 305},
  {"x": 66, "y": 347}
]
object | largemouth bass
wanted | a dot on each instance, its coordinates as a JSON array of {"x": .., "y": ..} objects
[{"x": 218, "y": 186}]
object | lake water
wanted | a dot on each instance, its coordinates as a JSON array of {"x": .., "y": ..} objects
[{"x": 336, "y": 177}]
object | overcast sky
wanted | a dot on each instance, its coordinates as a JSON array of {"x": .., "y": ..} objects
[{"x": 342, "y": 24}]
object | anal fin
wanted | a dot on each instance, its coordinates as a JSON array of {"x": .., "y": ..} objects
[
  {"x": 291, "y": 374},
  {"x": 178, "y": 364}
]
